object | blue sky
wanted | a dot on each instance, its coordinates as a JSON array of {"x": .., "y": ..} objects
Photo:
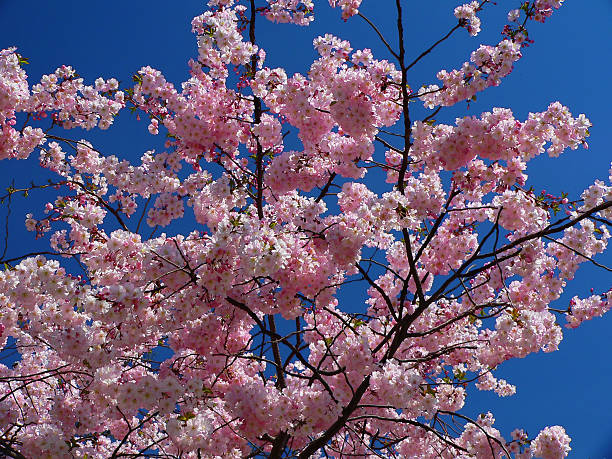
[{"x": 570, "y": 61}]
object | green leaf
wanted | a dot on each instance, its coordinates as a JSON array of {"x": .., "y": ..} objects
[
  {"x": 429, "y": 390},
  {"x": 186, "y": 417}
]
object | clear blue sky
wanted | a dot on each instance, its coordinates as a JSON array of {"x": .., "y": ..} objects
[{"x": 570, "y": 61}]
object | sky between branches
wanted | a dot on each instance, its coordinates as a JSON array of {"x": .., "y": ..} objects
[{"x": 570, "y": 61}]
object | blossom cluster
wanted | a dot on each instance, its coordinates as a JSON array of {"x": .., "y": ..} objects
[
  {"x": 234, "y": 338},
  {"x": 291, "y": 11},
  {"x": 497, "y": 135},
  {"x": 467, "y": 14},
  {"x": 488, "y": 64},
  {"x": 349, "y": 7}
]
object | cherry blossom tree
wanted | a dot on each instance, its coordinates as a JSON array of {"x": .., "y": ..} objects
[{"x": 232, "y": 338}]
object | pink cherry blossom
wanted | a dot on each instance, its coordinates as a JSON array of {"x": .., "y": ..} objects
[{"x": 192, "y": 299}]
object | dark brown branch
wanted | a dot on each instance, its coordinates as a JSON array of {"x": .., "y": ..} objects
[
  {"x": 380, "y": 35},
  {"x": 430, "y": 49},
  {"x": 325, "y": 189}
]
